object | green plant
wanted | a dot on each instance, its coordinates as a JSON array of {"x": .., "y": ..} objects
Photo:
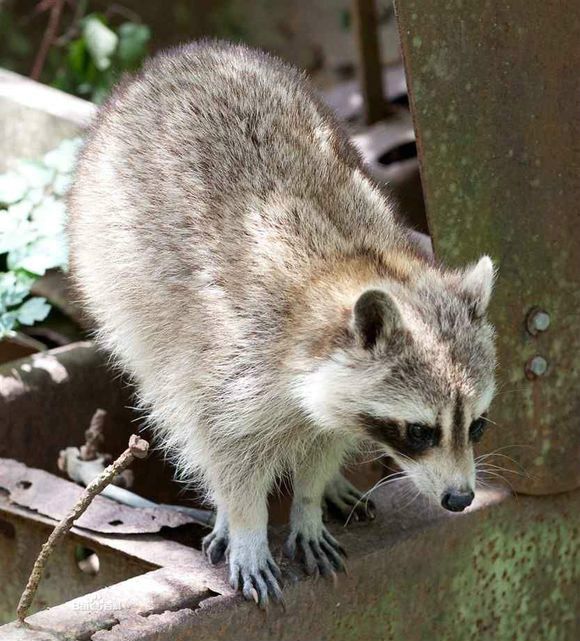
[
  {"x": 91, "y": 63},
  {"x": 32, "y": 238},
  {"x": 81, "y": 51}
]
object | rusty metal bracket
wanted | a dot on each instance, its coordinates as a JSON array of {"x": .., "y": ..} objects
[
  {"x": 53, "y": 497},
  {"x": 494, "y": 89},
  {"x": 371, "y": 74}
]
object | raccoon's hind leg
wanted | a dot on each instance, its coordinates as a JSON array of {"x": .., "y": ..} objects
[
  {"x": 342, "y": 499},
  {"x": 215, "y": 544},
  {"x": 309, "y": 538}
]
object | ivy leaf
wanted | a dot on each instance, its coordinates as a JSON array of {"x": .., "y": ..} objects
[
  {"x": 36, "y": 174},
  {"x": 15, "y": 234},
  {"x": 49, "y": 216},
  {"x": 12, "y": 188},
  {"x": 100, "y": 40},
  {"x": 14, "y": 287},
  {"x": 77, "y": 56},
  {"x": 7, "y": 324},
  {"x": 40, "y": 255},
  {"x": 33, "y": 310},
  {"x": 64, "y": 157},
  {"x": 133, "y": 41}
]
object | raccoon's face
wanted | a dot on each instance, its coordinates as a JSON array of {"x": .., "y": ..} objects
[{"x": 418, "y": 378}]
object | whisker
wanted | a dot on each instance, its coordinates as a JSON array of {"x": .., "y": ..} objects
[
  {"x": 375, "y": 458},
  {"x": 415, "y": 497},
  {"x": 481, "y": 465},
  {"x": 491, "y": 455},
  {"x": 392, "y": 478},
  {"x": 503, "y": 479}
]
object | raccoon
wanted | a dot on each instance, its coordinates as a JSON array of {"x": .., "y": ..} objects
[{"x": 244, "y": 267}]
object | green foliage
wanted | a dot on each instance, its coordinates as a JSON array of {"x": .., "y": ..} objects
[
  {"x": 89, "y": 51},
  {"x": 32, "y": 238},
  {"x": 93, "y": 62}
]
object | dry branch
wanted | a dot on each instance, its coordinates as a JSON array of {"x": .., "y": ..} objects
[{"x": 138, "y": 448}]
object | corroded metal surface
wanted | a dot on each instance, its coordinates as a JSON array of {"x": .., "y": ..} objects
[
  {"x": 120, "y": 556},
  {"x": 48, "y": 400},
  {"x": 508, "y": 571},
  {"x": 370, "y": 72},
  {"x": 21, "y": 537},
  {"x": 494, "y": 88},
  {"x": 51, "y": 496}
]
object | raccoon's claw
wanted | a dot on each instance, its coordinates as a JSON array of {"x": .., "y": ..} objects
[
  {"x": 214, "y": 546},
  {"x": 342, "y": 499},
  {"x": 259, "y": 584},
  {"x": 321, "y": 555}
]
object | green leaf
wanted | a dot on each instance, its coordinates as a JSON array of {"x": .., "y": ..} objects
[
  {"x": 12, "y": 188},
  {"x": 40, "y": 255},
  {"x": 61, "y": 185},
  {"x": 19, "y": 211},
  {"x": 100, "y": 40},
  {"x": 14, "y": 288},
  {"x": 64, "y": 157},
  {"x": 7, "y": 324},
  {"x": 15, "y": 234},
  {"x": 35, "y": 196},
  {"x": 133, "y": 41},
  {"x": 77, "y": 56},
  {"x": 49, "y": 216},
  {"x": 102, "y": 89},
  {"x": 35, "y": 173},
  {"x": 33, "y": 310}
]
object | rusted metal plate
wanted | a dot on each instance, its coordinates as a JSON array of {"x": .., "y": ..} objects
[
  {"x": 508, "y": 571},
  {"x": 118, "y": 557},
  {"x": 54, "y": 497},
  {"x": 494, "y": 88},
  {"x": 20, "y": 541},
  {"x": 47, "y": 401}
]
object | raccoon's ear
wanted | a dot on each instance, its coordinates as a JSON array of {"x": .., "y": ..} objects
[
  {"x": 477, "y": 284},
  {"x": 375, "y": 317}
]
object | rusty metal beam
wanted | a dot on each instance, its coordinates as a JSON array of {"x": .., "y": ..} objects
[
  {"x": 494, "y": 89},
  {"x": 370, "y": 64},
  {"x": 508, "y": 570}
]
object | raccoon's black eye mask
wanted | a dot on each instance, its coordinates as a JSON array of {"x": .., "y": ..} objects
[
  {"x": 477, "y": 429},
  {"x": 413, "y": 439},
  {"x": 422, "y": 437},
  {"x": 410, "y": 440}
]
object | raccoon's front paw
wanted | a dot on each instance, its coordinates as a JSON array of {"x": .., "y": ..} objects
[
  {"x": 254, "y": 572},
  {"x": 343, "y": 499},
  {"x": 215, "y": 544},
  {"x": 320, "y": 552}
]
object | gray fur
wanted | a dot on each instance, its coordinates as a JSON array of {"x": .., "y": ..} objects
[{"x": 222, "y": 230}]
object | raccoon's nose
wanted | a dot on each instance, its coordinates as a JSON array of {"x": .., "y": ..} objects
[{"x": 455, "y": 501}]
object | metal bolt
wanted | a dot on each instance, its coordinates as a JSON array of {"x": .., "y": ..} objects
[
  {"x": 536, "y": 367},
  {"x": 537, "y": 321}
]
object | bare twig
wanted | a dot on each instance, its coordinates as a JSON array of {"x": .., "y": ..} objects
[
  {"x": 138, "y": 448},
  {"x": 74, "y": 29},
  {"x": 124, "y": 12},
  {"x": 55, "y": 7},
  {"x": 94, "y": 437}
]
